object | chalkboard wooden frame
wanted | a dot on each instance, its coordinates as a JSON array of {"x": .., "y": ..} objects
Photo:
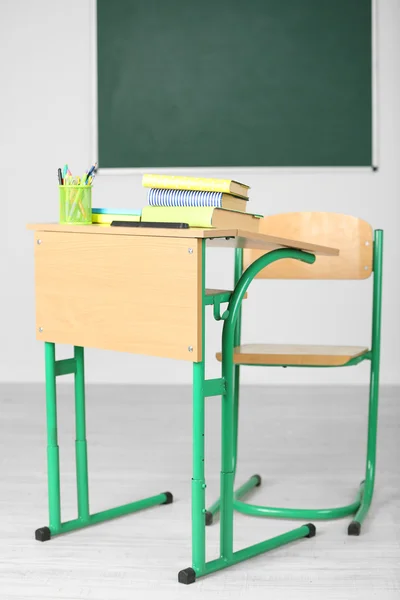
[{"x": 227, "y": 169}]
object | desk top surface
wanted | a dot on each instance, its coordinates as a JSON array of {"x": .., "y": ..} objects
[{"x": 236, "y": 238}]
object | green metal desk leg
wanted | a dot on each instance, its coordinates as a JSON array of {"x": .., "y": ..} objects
[
  {"x": 198, "y": 481},
  {"x": 238, "y": 269},
  {"x": 227, "y": 557},
  {"x": 82, "y": 483},
  {"x": 227, "y": 453},
  {"x": 55, "y": 369},
  {"x": 53, "y": 456},
  {"x": 197, "y": 569}
]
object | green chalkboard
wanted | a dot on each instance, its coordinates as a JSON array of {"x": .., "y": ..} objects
[{"x": 184, "y": 83}]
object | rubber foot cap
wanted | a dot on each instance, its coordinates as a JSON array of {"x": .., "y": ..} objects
[
  {"x": 209, "y": 518},
  {"x": 43, "y": 534},
  {"x": 169, "y": 498},
  {"x": 312, "y": 530},
  {"x": 258, "y": 477},
  {"x": 354, "y": 528},
  {"x": 187, "y": 576}
]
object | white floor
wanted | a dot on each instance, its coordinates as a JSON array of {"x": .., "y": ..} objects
[{"x": 307, "y": 443}]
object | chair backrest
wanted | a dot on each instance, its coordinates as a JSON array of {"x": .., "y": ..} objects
[{"x": 352, "y": 236}]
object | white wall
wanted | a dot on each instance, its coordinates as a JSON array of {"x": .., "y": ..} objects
[{"x": 46, "y": 118}]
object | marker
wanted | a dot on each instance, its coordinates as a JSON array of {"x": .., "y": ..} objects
[
  {"x": 60, "y": 179},
  {"x": 65, "y": 171}
]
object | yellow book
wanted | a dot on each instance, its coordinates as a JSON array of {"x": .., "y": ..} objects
[
  {"x": 176, "y": 182},
  {"x": 106, "y": 219},
  {"x": 202, "y": 216}
]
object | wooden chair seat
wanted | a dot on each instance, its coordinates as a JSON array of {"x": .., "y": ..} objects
[{"x": 294, "y": 354}]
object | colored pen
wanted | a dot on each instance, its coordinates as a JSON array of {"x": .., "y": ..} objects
[
  {"x": 91, "y": 170},
  {"x": 60, "y": 179}
]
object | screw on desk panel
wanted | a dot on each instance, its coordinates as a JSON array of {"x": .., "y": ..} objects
[
  {"x": 40, "y": 329},
  {"x": 367, "y": 243},
  {"x": 39, "y": 242},
  {"x": 365, "y": 268},
  {"x": 190, "y": 250},
  {"x": 190, "y": 348}
]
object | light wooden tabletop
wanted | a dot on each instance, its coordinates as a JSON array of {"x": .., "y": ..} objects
[{"x": 236, "y": 238}]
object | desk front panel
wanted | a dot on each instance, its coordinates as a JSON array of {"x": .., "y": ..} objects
[{"x": 133, "y": 294}]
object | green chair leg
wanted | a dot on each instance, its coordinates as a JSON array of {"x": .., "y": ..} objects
[
  {"x": 229, "y": 424},
  {"x": 277, "y": 512},
  {"x": 363, "y": 500},
  {"x": 293, "y": 513},
  {"x": 355, "y": 525}
]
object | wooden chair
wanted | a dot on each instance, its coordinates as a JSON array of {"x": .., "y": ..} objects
[{"x": 360, "y": 256}]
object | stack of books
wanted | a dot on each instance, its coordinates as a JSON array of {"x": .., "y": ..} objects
[{"x": 199, "y": 202}]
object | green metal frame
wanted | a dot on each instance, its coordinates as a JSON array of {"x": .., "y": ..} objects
[
  {"x": 362, "y": 502},
  {"x": 55, "y": 368},
  {"x": 228, "y": 388},
  {"x": 225, "y": 387}
]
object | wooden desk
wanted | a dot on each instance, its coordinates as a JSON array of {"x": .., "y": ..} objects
[
  {"x": 140, "y": 291},
  {"x": 100, "y": 287}
]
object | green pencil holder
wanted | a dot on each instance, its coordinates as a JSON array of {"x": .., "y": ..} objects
[{"x": 75, "y": 204}]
